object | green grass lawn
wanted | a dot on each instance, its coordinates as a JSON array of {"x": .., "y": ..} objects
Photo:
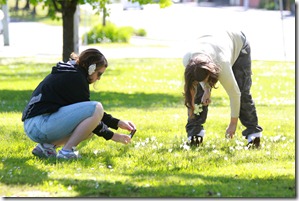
[{"x": 156, "y": 163}]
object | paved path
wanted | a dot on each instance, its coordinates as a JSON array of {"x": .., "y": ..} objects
[{"x": 169, "y": 31}]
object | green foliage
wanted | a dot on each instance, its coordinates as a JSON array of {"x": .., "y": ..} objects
[
  {"x": 156, "y": 163},
  {"x": 269, "y": 5},
  {"x": 140, "y": 32},
  {"x": 110, "y": 33}
]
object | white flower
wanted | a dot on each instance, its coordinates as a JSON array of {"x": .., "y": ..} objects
[
  {"x": 198, "y": 109},
  {"x": 91, "y": 69}
]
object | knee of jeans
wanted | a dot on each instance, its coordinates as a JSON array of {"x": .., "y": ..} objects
[{"x": 99, "y": 110}]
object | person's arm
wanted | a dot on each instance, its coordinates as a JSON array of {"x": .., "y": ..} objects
[
  {"x": 229, "y": 83},
  {"x": 102, "y": 130},
  {"x": 110, "y": 121},
  {"x": 206, "y": 98},
  {"x": 231, "y": 129}
]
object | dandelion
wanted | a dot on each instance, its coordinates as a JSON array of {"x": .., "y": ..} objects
[
  {"x": 231, "y": 149},
  {"x": 276, "y": 138},
  {"x": 215, "y": 151},
  {"x": 146, "y": 140},
  {"x": 176, "y": 116},
  {"x": 186, "y": 147},
  {"x": 137, "y": 144}
]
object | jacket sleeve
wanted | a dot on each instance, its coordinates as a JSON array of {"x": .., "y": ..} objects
[
  {"x": 229, "y": 83},
  {"x": 102, "y": 130},
  {"x": 110, "y": 121}
]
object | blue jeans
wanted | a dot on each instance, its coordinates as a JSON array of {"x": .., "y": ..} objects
[{"x": 47, "y": 128}]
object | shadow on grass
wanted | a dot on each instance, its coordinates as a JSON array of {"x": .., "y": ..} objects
[
  {"x": 12, "y": 174},
  {"x": 211, "y": 186},
  {"x": 15, "y": 101}
]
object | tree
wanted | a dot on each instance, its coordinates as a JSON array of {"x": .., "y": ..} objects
[{"x": 68, "y": 8}]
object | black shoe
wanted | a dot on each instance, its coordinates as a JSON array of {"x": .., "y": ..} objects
[
  {"x": 195, "y": 141},
  {"x": 254, "y": 144}
]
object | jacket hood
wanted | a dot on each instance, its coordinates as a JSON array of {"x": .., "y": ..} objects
[{"x": 64, "y": 67}]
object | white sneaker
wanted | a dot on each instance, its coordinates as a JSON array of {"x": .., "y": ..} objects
[
  {"x": 197, "y": 139},
  {"x": 68, "y": 155},
  {"x": 254, "y": 140},
  {"x": 43, "y": 152},
  {"x": 252, "y": 136}
]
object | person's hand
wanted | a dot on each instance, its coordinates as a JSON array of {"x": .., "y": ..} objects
[
  {"x": 205, "y": 100},
  {"x": 126, "y": 125},
  {"x": 206, "y": 97},
  {"x": 231, "y": 129},
  {"x": 122, "y": 138}
]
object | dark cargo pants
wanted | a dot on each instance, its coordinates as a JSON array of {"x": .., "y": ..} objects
[{"x": 248, "y": 116}]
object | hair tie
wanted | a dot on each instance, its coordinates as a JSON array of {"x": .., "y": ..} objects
[{"x": 91, "y": 69}]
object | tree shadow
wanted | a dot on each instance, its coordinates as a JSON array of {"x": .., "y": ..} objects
[
  {"x": 211, "y": 186},
  {"x": 14, "y": 174},
  {"x": 16, "y": 100},
  {"x": 136, "y": 100}
]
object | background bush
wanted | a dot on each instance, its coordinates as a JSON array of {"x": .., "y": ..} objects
[{"x": 112, "y": 34}]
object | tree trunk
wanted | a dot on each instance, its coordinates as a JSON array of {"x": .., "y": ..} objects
[
  {"x": 104, "y": 16},
  {"x": 33, "y": 13},
  {"x": 16, "y": 8},
  {"x": 27, "y": 5},
  {"x": 68, "y": 11}
]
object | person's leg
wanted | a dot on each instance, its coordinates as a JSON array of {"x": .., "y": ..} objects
[
  {"x": 84, "y": 130},
  {"x": 50, "y": 128},
  {"x": 57, "y": 128},
  {"x": 242, "y": 72},
  {"x": 194, "y": 126}
]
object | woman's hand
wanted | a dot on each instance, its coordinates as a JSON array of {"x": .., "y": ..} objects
[
  {"x": 231, "y": 129},
  {"x": 122, "y": 138},
  {"x": 205, "y": 100},
  {"x": 126, "y": 125}
]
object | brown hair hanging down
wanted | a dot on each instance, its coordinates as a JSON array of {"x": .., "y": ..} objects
[{"x": 197, "y": 70}]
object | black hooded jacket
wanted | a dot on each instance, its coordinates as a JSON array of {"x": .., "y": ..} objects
[{"x": 65, "y": 85}]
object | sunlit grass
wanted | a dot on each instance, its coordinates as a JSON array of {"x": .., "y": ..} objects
[{"x": 157, "y": 163}]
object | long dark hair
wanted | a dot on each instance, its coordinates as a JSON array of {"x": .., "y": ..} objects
[{"x": 197, "y": 70}]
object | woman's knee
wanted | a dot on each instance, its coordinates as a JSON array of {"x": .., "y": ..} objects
[{"x": 99, "y": 110}]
